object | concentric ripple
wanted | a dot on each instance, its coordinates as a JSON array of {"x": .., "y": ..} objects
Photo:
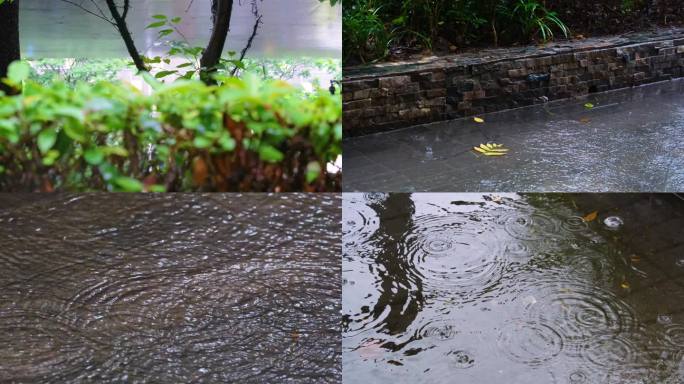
[
  {"x": 580, "y": 313},
  {"x": 446, "y": 254},
  {"x": 610, "y": 350},
  {"x": 524, "y": 225},
  {"x": 359, "y": 220},
  {"x": 529, "y": 342},
  {"x": 222, "y": 289}
]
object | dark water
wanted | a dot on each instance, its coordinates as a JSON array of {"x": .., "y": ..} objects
[
  {"x": 172, "y": 288},
  {"x": 52, "y": 28},
  {"x": 629, "y": 142},
  {"x": 445, "y": 288}
]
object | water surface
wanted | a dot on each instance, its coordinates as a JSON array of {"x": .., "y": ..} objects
[
  {"x": 446, "y": 288},
  {"x": 628, "y": 142},
  {"x": 170, "y": 288}
]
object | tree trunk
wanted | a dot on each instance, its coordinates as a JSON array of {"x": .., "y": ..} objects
[
  {"x": 212, "y": 54},
  {"x": 9, "y": 37},
  {"x": 120, "y": 20}
]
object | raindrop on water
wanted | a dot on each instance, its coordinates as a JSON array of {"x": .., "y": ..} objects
[
  {"x": 461, "y": 359},
  {"x": 613, "y": 222}
]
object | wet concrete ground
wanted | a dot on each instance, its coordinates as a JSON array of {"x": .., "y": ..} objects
[
  {"x": 170, "y": 288},
  {"x": 57, "y": 29},
  {"x": 629, "y": 142},
  {"x": 458, "y": 288}
]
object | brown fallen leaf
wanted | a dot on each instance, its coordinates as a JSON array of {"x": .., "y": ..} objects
[
  {"x": 590, "y": 217},
  {"x": 635, "y": 258},
  {"x": 584, "y": 120},
  {"x": 295, "y": 336},
  {"x": 199, "y": 171}
]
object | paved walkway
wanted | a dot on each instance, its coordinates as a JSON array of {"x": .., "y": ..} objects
[{"x": 629, "y": 142}]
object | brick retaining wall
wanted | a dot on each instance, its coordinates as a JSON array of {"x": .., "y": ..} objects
[{"x": 394, "y": 95}]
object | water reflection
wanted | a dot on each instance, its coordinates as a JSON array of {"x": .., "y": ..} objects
[
  {"x": 182, "y": 288},
  {"x": 509, "y": 288}
]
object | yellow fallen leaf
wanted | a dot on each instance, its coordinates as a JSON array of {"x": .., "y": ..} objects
[
  {"x": 624, "y": 285},
  {"x": 491, "y": 149},
  {"x": 589, "y": 105},
  {"x": 590, "y": 217},
  {"x": 478, "y": 120}
]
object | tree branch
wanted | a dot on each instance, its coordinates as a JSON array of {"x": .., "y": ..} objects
[{"x": 126, "y": 35}]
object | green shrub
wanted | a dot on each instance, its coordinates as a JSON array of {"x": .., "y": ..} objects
[
  {"x": 364, "y": 36},
  {"x": 241, "y": 135},
  {"x": 372, "y": 28}
]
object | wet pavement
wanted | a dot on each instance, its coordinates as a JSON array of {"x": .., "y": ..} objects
[
  {"x": 629, "y": 142},
  {"x": 290, "y": 28},
  {"x": 472, "y": 288},
  {"x": 170, "y": 288}
]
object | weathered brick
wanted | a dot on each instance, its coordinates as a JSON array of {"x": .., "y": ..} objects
[
  {"x": 393, "y": 81},
  {"x": 362, "y": 94},
  {"x": 517, "y": 72}
]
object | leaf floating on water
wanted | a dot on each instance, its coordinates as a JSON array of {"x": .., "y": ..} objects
[
  {"x": 478, "y": 120},
  {"x": 491, "y": 149},
  {"x": 590, "y": 217},
  {"x": 584, "y": 120},
  {"x": 588, "y": 105}
]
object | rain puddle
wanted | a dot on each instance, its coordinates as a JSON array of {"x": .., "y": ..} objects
[
  {"x": 620, "y": 141},
  {"x": 170, "y": 288},
  {"x": 472, "y": 288}
]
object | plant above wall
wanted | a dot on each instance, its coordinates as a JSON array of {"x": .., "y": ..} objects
[
  {"x": 240, "y": 135},
  {"x": 375, "y": 28}
]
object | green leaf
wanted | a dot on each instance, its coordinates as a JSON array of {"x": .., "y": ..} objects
[
  {"x": 165, "y": 32},
  {"x": 313, "y": 170},
  {"x": 176, "y": 20},
  {"x": 162, "y": 74},
  {"x": 270, "y": 154},
  {"x": 68, "y": 111},
  {"x": 18, "y": 71},
  {"x": 50, "y": 157},
  {"x": 47, "y": 139},
  {"x": 128, "y": 184},
  {"x": 94, "y": 156},
  {"x": 159, "y": 17},
  {"x": 156, "y": 24},
  {"x": 202, "y": 142},
  {"x": 75, "y": 130},
  {"x": 156, "y": 188},
  {"x": 227, "y": 143}
]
